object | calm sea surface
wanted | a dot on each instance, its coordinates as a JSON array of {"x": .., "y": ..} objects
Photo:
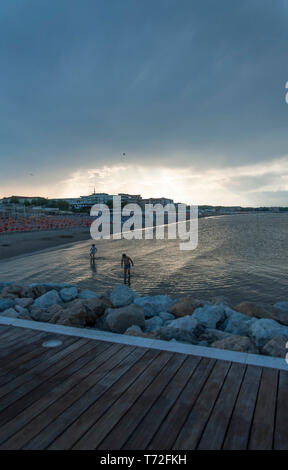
[{"x": 243, "y": 257}]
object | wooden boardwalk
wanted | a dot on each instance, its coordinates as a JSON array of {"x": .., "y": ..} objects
[{"x": 89, "y": 394}]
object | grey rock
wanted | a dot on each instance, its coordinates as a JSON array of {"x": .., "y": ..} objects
[
  {"x": 210, "y": 335},
  {"x": 87, "y": 294},
  {"x": 210, "y": 316},
  {"x": 261, "y": 331},
  {"x": 38, "y": 291},
  {"x": 155, "y": 304},
  {"x": 10, "y": 312},
  {"x": 184, "y": 323},
  {"x": 24, "y": 302},
  {"x": 185, "y": 306},
  {"x": 282, "y": 306},
  {"x": 166, "y": 317},
  {"x": 40, "y": 314},
  {"x": 5, "y": 304},
  {"x": 122, "y": 295},
  {"x": 238, "y": 324},
  {"x": 14, "y": 289},
  {"x": 68, "y": 293},
  {"x": 152, "y": 324},
  {"x": 80, "y": 313},
  {"x": 21, "y": 310},
  {"x": 47, "y": 300},
  {"x": 276, "y": 347},
  {"x": 133, "y": 329},
  {"x": 183, "y": 336},
  {"x": 119, "y": 319},
  {"x": 236, "y": 343},
  {"x": 30, "y": 293}
]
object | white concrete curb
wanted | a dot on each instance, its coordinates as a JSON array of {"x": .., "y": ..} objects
[{"x": 99, "y": 335}]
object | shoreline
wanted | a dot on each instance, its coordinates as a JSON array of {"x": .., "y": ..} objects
[
  {"x": 15, "y": 244},
  {"x": 22, "y": 243}
]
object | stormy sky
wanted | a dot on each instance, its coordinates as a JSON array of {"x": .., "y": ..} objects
[{"x": 192, "y": 91}]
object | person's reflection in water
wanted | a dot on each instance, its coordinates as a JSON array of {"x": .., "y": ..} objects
[{"x": 93, "y": 266}]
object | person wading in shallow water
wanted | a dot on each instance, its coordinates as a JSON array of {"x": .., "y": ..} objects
[
  {"x": 126, "y": 261},
  {"x": 93, "y": 251}
]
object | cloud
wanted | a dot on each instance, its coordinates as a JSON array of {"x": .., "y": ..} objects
[
  {"x": 243, "y": 185},
  {"x": 199, "y": 86}
]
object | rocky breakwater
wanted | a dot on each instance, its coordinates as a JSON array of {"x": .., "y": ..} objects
[{"x": 246, "y": 327}]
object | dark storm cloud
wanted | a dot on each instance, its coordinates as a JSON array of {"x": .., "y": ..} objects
[{"x": 82, "y": 82}]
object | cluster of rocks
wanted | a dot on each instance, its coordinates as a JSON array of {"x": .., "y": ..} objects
[{"x": 247, "y": 327}]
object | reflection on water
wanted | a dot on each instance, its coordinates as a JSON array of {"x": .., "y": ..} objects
[{"x": 243, "y": 257}]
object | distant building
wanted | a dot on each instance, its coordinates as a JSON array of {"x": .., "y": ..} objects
[
  {"x": 157, "y": 200},
  {"x": 89, "y": 201},
  {"x": 20, "y": 199},
  {"x": 130, "y": 198}
]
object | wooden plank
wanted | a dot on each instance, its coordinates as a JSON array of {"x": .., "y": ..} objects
[
  {"x": 6, "y": 334},
  {"x": 131, "y": 419},
  {"x": 36, "y": 355},
  {"x": 91, "y": 357},
  {"x": 175, "y": 419},
  {"x": 21, "y": 354},
  {"x": 261, "y": 437},
  {"x": 21, "y": 347},
  {"x": 199, "y": 415},
  {"x": 163, "y": 404},
  {"x": 281, "y": 427},
  {"x": 237, "y": 435},
  {"x": 98, "y": 407},
  {"x": 214, "y": 433},
  {"x": 4, "y": 329},
  {"x": 14, "y": 341},
  {"x": 106, "y": 422},
  {"x": 47, "y": 368},
  {"x": 14, "y": 331},
  {"x": 9, "y": 332},
  {"x": 45, "y": 427}
]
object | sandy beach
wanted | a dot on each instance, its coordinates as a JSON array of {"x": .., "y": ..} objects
[{"x": 14, "y": 244}]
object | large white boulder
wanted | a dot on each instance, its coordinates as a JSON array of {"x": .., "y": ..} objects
[
  {"x": 87, "y": 294},
  {"x": 68, "y": 293},
  {"x": 154, "y": 323},
  {"x": 210, "y": 316},
  {"x": 153, "y": 305},
  {"x": 47, "y": 300},
  {"x": 238, "y": 324},
  {"x": 166, "y": 317},
  {"x": 119, "y": 319},
  {"x": 187, "y": 323},
  {"x": 122, "y": 295},
  {"x": 261, "y": 331}
]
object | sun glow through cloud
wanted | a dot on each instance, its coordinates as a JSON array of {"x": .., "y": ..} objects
[{"x": 239, "y": 186}]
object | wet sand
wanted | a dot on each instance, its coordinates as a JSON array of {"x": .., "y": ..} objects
[{"x": 14, "y": 244}]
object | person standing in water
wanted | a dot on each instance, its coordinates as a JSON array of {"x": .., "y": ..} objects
[
  {"x": 93, "y": 250},
  {"x": 126, "y": 261}
]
